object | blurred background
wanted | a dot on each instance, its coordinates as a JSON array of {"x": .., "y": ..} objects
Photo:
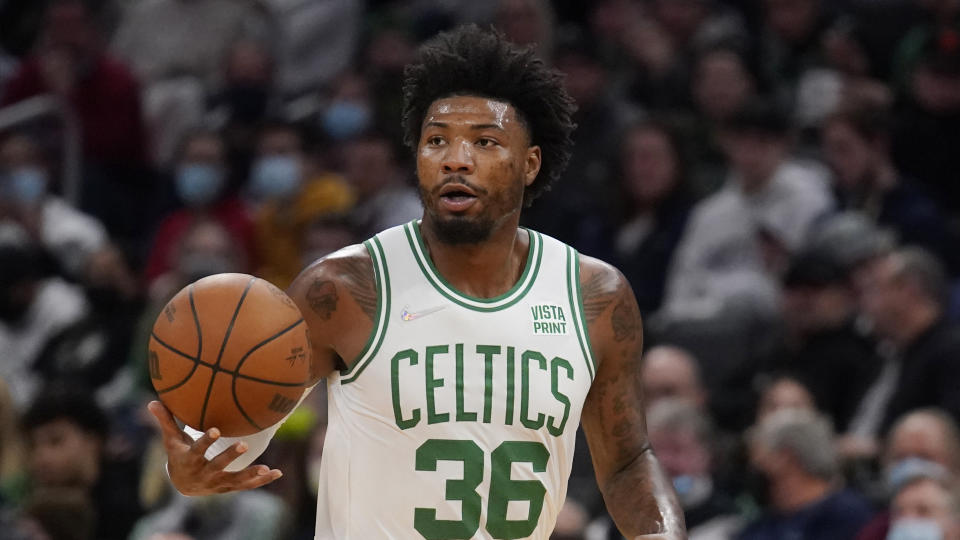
[{"x": 778, "y": 179}]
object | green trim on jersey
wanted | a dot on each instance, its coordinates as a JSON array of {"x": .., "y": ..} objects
[
  {"x": 576, "y": 306},
  {"x": 383, "y": 312},
  {"x": 505, "y": 300}
]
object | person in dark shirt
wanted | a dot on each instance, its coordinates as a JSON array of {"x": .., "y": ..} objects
[
  {"x": 856, "y": 144},
  {"x": 903, "y": 295},
  {"x": 792, "y": 455},
  {"x": 67, "y": 433},
  {"x": 819, "y": 308}
]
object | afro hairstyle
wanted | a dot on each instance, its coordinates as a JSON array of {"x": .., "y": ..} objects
[{"x": 470, "y": 61}]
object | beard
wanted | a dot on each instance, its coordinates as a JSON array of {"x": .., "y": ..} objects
[{"x": 468, "y": 230}]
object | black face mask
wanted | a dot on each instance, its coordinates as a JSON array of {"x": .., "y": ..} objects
[
  {"x": 758, "y": 486},
  {"x": 247, "y": 102}
]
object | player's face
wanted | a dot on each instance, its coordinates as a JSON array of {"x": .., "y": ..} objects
[{"x": 473, "y": 161}]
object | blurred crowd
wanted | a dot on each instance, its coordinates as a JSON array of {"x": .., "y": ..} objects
[{"x": 778, "y": 180}]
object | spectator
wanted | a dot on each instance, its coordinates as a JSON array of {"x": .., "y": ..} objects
[
  {"x": 326, "y": 235},
  {"x": 67, "y": 433},
  {"x": 925, "y": 505},
  {"x": 681, "y": 435},
  {"x": 291, "y": 195},
  {"x": 819, "y": 309},
  {"x": 924, "y": 441},
  {"x": 195, "y": 39},
  {"x": 904, "y": 298},
  {"x": 201, "y": 183},
  {"x": 856, "y": 146},
  {"x": 12, "y": 452},
  {"x": 384, "y": 196},
  {"x": 927, "y": 133},
  {"x": 34, "y": 307},
  {"x": 92, "y": 351},
  {"x": 528, "y": 22},
  {"x": 791, "y": 41},
  {"x": 576, "y": 207},
  {"x": 723, "y": 83},
  {"x": 27, "y": 199},
  {"x": 792, "y": 453},
  {"x": 670, "y": 372},
  {"x": 246, "y": 515},
  {"x": 62, "y": 513},
  {"x": 69, "y": 61},
  {"x": 350, "y": 111},
  {"x": 763, "y": 213},
  {"x": 655, "y": 207},
  {"x": 784, "y": 393}
]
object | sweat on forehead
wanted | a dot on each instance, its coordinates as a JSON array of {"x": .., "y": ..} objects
[{"x": 502, "y": 111}]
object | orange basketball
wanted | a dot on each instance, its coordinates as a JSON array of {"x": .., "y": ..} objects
[{"x": 230, "y": 351}]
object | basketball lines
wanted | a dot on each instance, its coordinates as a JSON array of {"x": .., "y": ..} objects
[{"x": 223, "y": 345}]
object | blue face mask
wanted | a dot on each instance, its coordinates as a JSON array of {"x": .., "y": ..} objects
[
  {"x": 908, "y": 468},
  {"x": 345, "y": 119},
  {"x": 275, "y": 177},
  {"x": 915, "y": 529},
  {"x": 25, "y": 186},
  {"x": 198, "y": 184}
]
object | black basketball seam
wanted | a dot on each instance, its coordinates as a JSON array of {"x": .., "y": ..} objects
[
  {"x": 181, "y": 353},
  {"x": 197, "y": 361},
  {"x": 223, "y": 346},
  {"x": 233, "y": 385}
]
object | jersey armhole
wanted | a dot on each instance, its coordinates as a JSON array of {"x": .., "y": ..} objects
[
  {"x": 381, "y": 319},
  {"x": 576, "y": 307}
]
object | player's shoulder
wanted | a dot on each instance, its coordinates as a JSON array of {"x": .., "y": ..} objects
[
  {"x": 600, "y": 278},
  {"x": 351, "y": 265}
]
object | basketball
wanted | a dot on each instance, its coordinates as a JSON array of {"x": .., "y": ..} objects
[{"x": 230, "y": 351}]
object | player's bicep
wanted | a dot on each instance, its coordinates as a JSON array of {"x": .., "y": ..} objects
[
  {"x": 613, "y": 417},
  {"x": 338, "y": 299}
]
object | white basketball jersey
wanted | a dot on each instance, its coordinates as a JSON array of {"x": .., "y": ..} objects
[{"x": 458, "y": 420}]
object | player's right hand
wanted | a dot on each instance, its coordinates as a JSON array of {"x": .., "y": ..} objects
[{"x": 192, "y": 473}]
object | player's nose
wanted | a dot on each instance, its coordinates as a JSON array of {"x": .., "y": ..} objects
[{"x": 458, "y": 158}]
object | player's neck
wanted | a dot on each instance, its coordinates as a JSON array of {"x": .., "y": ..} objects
[{"x": 483, "y": 270}]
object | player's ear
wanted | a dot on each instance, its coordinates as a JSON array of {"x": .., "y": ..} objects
[{"x": 532, "y": 164}]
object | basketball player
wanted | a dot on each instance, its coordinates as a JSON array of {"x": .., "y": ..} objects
[{"x": 461, "y": 351}]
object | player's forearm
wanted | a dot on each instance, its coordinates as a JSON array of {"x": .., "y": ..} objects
[{"x": 642, "y": 503}]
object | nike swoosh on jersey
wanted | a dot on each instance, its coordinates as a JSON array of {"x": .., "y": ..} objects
[{"x": 408, "y": 315}]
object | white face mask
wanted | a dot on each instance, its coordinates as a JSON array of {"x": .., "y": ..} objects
[{"x": 915, "y": 529}]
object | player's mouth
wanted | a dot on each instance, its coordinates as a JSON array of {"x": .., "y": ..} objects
[{"x": 457, "y": 197}]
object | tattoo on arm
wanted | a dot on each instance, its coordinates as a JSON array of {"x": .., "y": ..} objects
[
  {"x": 322, "y": 297},
  {"x": 625, "y": 320},
  {"x": 360, "y": 284},
  {"x": 596, "y": 296}
]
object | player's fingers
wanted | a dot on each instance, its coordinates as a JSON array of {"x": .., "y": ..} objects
[
  {"x": 168, "y": 426},
  {"x": 254, "y": 477},
  {"x": 227, "y": 456},
  {"x": 203, "y": 443}
]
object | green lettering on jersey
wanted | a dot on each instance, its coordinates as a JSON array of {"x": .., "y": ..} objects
[
  {"x": 555, "y": 366},
  {"x": 487, "y": 351},
  {"x": 462, "y": 414},
  {"x": 432, "y": 384},
  {"x": 508, "y": 417},
  {"x": 525, "y": 388},
  {"x": 411, "y": 355}
]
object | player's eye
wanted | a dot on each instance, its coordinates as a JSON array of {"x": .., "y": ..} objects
[
  {"x": 485, "y": 142},
  {"x": 435, "y": 140}
]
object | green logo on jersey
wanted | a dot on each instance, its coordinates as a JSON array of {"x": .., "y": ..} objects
[
  {"x": 533, "y": 366},
  {"x": 548, "y": 319}
]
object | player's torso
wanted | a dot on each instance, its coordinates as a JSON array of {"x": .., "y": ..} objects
[{"x": 459, "y": 419}]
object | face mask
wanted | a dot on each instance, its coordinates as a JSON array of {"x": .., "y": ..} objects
[
  {"x": 901, "y": 471},
  {"x": 692, "y": 490},
  {"x": 26, "y": 186},
  {"x": 345, "y": 119},
  {"x": 915, "y": 529},
  {"x": 198, "y": 184},
  {"x": 275, "y": 177}
]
